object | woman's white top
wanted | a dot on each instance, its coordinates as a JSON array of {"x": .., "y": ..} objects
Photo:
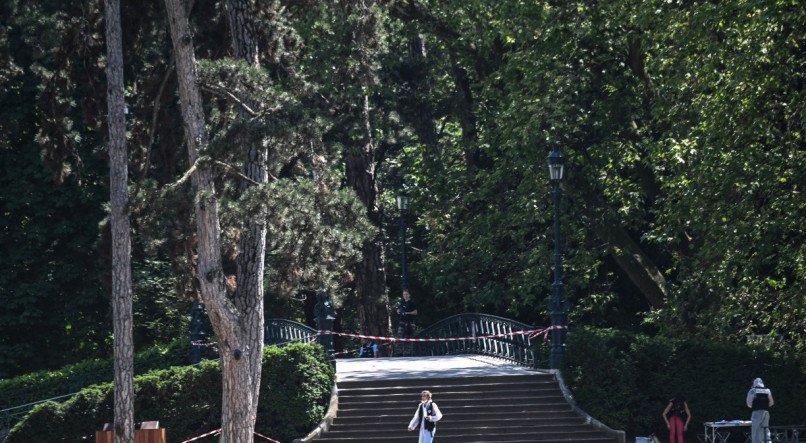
[{"x": 434, "y": 418}]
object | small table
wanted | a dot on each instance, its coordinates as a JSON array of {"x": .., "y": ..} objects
[{"x": 719, "y": 431}]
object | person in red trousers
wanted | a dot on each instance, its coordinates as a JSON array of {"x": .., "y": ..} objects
[{"x": 677, "y": 415}]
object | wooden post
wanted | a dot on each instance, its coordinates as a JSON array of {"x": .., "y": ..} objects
[
  {"x": 140, "y": 436},
  {"x": 149, "y": 436},
  {"x": 104, "y": 437}
]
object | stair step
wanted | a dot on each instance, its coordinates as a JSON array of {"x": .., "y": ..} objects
[
  {"x": 480, "y": 394},
  {"x": 447, "y": 430},
  {"x": 446, "y": 381},
  {"x": 473, "y": 438},
  {"x": 537, "y": 402},
  {"x": 461, "y": 417},
  {"x": 453, "y": 408}
]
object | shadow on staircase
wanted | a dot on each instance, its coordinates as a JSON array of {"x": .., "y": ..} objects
[{"x": 525, "y": 406}]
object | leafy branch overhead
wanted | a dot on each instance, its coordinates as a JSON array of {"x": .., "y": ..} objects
[{"x": 682, "y": 125}]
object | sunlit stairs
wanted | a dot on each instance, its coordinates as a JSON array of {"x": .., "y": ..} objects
[{"x": 503, "y": 408}]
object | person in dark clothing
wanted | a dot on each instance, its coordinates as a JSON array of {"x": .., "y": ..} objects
[
  {"x": 677, "y": 415},
  {"x": 759, "y": 399},
  {"x": 406, "y": 311}
]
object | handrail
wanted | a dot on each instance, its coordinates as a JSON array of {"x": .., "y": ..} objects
[
  {"x": 518, "y": 349},
  {"x": 278, "y": 331}
]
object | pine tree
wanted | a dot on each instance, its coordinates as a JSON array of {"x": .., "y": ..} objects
[{"x": 121, "y": 236}]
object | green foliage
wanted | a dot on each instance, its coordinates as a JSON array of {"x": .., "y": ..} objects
[
  {"x": 159, "y": 312},
  {"x": 297, "y": 380},
  {"x": 295, "y": 390},
  {"x": 625, "y": 380},
  {"x": 682, "y": 124},
  {"x": 51, "y": 290},
  {"x": 41, "y": 385},
  {"x": 54, "y": 310}
]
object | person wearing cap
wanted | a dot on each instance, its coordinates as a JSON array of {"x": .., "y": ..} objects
[{"x": 759, "y": 399}]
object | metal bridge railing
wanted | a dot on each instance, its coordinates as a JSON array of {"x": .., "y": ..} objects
[
  {"x": 516, "y": 348},
  {"x": 278, "y": 331}
]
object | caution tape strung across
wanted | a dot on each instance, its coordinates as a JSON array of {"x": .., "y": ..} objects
[
  {"x": 218, "y": 431},
  {"x": 265, "y": 438},
  {"x": 209, "y": 434},
  {"x": 529, "y": 333}
]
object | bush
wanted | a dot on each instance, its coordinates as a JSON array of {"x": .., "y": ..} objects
[
  {"x": 626, "y": 380},
  {"x": 42, "y": 385},
  {"x": 295, "y": 388}
]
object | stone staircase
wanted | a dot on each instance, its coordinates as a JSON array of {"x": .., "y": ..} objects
[{"x": 504, "y": 408}]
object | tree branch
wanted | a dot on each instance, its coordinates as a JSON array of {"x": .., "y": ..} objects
[
  {"x": 222, "y": 92},
  {"x": 170, "y": 187},
  {"x": 233, "y": 170}
]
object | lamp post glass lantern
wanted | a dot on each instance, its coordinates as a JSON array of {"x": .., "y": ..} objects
[
  {"x": 556, "y": 163},
  {"x": 403, "y": 205},
  {"x": 402, "y": 202},
  {"x": 557, "y": 312}
]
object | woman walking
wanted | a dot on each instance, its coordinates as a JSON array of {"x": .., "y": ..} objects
[{"x": 426, "y": 417}]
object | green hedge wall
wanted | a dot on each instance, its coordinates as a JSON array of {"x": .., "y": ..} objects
[
  {"x": 295, "y": 390},
  {"x": 42, "y": 385},
  {"x": 625, "y": 380}
]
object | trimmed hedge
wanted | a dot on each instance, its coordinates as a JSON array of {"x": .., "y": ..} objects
[
  {"x": 42, "y": 385},
  {"x": 295, "y": 389},
  {"x": 626, "y": 380}
]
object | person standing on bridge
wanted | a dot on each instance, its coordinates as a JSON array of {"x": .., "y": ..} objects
[
  {"x": 406, "y": 311},
  {"x": 426, "y": 417}
]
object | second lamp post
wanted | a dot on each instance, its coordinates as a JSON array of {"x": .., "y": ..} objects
[
  {"x": 557, "y": 311},
  {"x": 402, "y": 205}
]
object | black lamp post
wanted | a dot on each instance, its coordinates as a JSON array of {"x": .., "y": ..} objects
[
  {"x": 197, "y": 334},
  {"x": 557, "y": 312},
  {"x": 402, "y": 205},
  {"x": 324, "y": 315}
]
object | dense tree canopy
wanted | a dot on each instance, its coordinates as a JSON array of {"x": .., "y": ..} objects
[{"x": 682, "y": 124}]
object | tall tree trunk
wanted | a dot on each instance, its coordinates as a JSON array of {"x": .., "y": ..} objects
[
  {"x": 418, "y": 106},
  {"x": 121, "y": 236},
  {"x": 235, "y": 331},
  {"x": 632, "y": 259},
  {"x": 249, "y": 291},
  {"x": 466, "y": 115},
  {"x": 628, "y": 254},
  {"x": 373, "y": 310}
]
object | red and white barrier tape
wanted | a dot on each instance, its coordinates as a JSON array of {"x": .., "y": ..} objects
[
  {"x": 529, "y": 333},
  {"x": 218, "y": 431},
  {"x": 209, "y": 434},
  {"x": 266, "y": 438}
]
